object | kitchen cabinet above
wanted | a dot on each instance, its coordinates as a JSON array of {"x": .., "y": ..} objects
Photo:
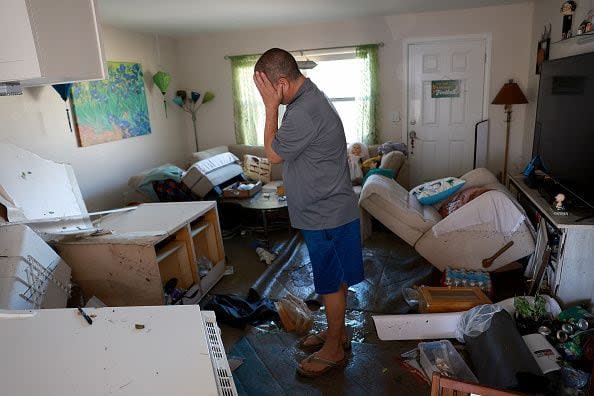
[{"x": 50, "y": 41}]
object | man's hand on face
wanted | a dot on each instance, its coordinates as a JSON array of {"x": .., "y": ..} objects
[{"x": 271, "y": 96}]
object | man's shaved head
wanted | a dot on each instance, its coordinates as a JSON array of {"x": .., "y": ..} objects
[{"x": 277, "y": 63}]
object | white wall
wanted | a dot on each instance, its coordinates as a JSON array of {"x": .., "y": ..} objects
[
  {"x": 203, "y": 66},
  {"x": 545, "y": 12},
  {"x": 37, "y": 121}
]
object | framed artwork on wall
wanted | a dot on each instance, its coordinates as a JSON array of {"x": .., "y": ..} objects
[
  {"x": 111, "y": 109},
  {"x": 542, "y": 53}
]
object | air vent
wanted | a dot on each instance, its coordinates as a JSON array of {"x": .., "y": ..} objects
[{"x": 222, "y": 372}]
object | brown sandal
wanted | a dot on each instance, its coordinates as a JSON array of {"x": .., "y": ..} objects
[
  {"x": 346, "y": 344},
  {"x": 315, "y": 359}
]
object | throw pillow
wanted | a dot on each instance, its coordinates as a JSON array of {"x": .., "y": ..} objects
[
  {"x": 437, "y": 190},
  {"x": 389, "y": 173},
  {"x": 257, "y": 168}
]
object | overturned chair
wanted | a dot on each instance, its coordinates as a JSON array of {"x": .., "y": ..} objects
[{"x": 474, "y": 232}]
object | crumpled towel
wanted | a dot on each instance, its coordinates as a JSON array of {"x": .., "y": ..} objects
[{"x": 492, "y": 206}]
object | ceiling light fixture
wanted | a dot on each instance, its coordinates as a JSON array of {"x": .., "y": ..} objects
[{"x": 306, "y": 64}]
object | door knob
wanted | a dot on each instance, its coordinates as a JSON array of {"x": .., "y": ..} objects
[{"x": 412, "y": 134}]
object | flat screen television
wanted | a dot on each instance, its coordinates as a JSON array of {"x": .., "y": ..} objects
[{"x": 564, "y": 130}]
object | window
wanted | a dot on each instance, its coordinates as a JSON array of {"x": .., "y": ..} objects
[
  {"x": 335, "y": 79},
  {"x": 348, "y": 80}
]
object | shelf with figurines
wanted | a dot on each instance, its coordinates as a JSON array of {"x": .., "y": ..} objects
[{"x": 584, "y": 32}]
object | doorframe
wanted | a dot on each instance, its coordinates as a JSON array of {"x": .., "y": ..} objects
[{"x": 406, "y": 43}]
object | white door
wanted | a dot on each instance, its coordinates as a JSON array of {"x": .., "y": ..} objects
[{"x": 440, "y": 130}]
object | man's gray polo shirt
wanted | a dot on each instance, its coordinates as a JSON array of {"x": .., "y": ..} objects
[{"x": 312, "y": 144}]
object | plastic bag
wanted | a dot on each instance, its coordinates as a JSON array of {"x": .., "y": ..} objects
[
  {"x": 476, "y": 321},
  {"x": 294, "y": 314}
]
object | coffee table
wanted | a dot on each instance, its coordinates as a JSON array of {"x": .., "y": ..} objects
[{"x": 266, "y": 204}]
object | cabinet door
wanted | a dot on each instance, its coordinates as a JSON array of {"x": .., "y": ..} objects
[
  {"x": 68, "y": 37},
  {"x": 18, "y": 55}
]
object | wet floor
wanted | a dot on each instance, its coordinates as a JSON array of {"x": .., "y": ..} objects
[{"x": 390, "y": 265}]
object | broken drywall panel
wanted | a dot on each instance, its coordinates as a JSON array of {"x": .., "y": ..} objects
[
  {"x": 417, "y": 326},
  {"x": 34, "y": 188}
]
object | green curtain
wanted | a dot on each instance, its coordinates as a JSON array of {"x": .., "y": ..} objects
[
  {"x": 369, "y": 102},
  {"x": 248, "y": 107}
]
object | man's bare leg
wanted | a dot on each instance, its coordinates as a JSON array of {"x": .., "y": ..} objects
[
  {"x": 332, "y": 350},
  {"x": 322, "y": 334}
]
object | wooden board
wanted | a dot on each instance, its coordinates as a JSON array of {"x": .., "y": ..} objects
[
  {"x": 450, "y": 299},
  {"x": 158, "y": 218},
  {"x": 417, "y": 326},
  {"x": 117, "y": 274}
]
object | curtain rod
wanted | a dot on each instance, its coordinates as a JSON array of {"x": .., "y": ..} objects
[{"x": 380, "y": 44}]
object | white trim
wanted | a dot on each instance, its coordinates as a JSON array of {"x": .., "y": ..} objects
[{"x": 406, "y": 43}]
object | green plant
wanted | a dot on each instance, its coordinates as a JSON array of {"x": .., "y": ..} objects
[{"x": 527, "y": 310}]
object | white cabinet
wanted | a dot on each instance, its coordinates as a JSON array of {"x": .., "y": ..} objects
[
  {"x": 50, "y": 41},
  {"x": 570, "y": 271}
]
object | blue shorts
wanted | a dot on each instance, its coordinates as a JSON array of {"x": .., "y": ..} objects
[{"x": 336, "y": 256}]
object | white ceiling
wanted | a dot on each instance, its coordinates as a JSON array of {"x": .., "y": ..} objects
[{"x": 183, "y": 17}]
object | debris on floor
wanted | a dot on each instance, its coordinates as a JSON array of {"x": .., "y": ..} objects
[
  {"x": 265, "y": 256},
  {"x": 229, "y": 270},
  {"x": 294, "y": 314},
  {"x": 237, "y": 311}
]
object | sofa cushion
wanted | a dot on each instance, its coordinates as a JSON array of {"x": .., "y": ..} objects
[{"x": 204, "y": 154}]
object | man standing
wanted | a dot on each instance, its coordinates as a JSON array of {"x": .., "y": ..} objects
[{"x": 312, "y": 146}]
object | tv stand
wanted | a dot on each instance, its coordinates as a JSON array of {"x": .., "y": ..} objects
[{"x": 571, "y": 270}]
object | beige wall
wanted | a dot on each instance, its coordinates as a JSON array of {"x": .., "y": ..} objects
[
  {"x": 37, "y": 121},
  {"x": 545, "y": 12},
  {"x": 203, "y": 66}
]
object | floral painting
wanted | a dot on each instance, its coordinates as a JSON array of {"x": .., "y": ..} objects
[{"x": 111, "y": 109}]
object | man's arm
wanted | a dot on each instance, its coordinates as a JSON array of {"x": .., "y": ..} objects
[
  {"x": 272, "y": 99},
  {"x": 270, "y": 129}
]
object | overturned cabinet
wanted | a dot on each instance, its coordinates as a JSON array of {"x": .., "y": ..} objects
[
  {"x": 124, "y": 256},
  {"x": 143, "y": 249}
]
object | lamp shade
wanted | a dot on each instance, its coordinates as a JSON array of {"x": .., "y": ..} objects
[
  {"x": 162, "y": 80},
  {"x": 178, "y": 100},
  {"x": 510, "y": 94}
]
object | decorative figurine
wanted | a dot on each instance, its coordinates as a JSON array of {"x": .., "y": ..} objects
[
  {"x": 567, "y": 9},
  {"x": 586, "y": 25},
  {"x": 558, "y": 207}
]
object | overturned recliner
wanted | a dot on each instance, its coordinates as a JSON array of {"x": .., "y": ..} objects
[{"x": 463, "y": 239}]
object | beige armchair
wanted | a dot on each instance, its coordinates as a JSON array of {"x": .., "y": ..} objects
[{"x": 463, "y": 239}]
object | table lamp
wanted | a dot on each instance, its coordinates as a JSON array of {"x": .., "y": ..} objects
[{"x": 510, "y": 94}]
